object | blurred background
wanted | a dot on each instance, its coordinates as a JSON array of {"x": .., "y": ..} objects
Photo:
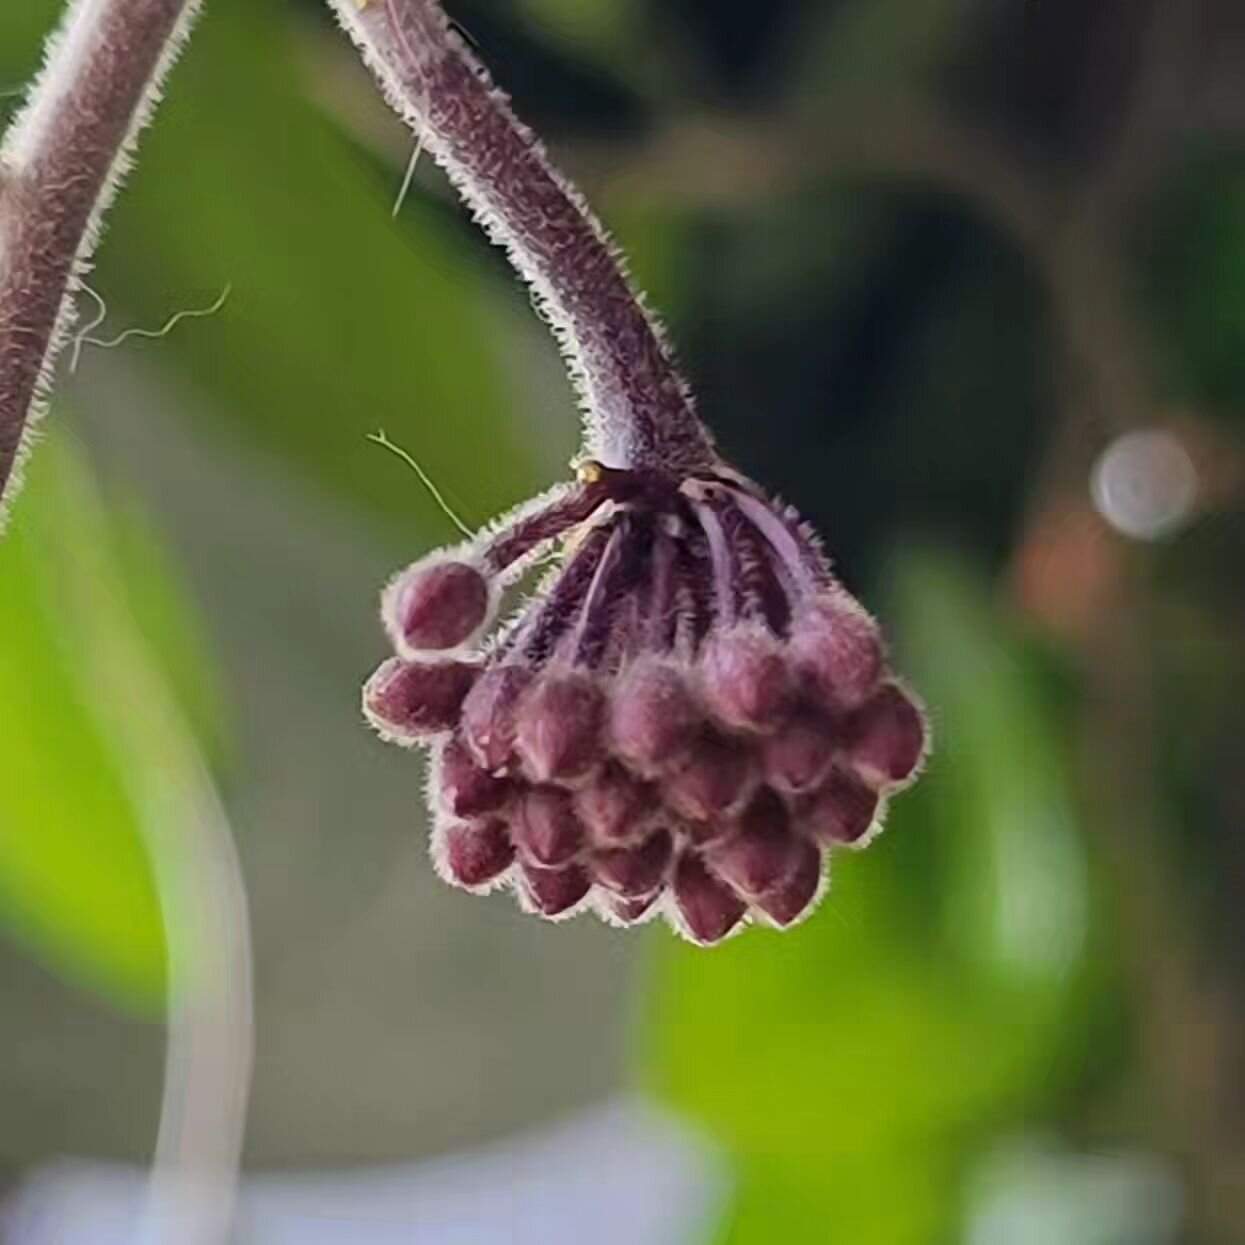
[{"x": 962, "y": 279}]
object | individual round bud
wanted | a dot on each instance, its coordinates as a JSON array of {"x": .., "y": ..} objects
[
  {"x": 838, "y": 646},
  {"x": 653, "y": 717},
  {"x": 409, "y": 701},
  {"x": 489, "y": 716},
  {"x": 554, "y": 892},
  {"x": 796, "y": 897},
  {"x": 559, "y": 735},
  {"x": 708, "y": 908},
  {"x": 841, "y": 811},
  {"x": 546, "y": 830},
  {"x": 635, "y": 871},
  {"x": 631, "y": 911},
  {"x": 885, "y": 739},
  {"x": 702, "y": 834},
  {"x": 797, "y": 757},
  {"x": 761, "y": 854},
  {"x": 473, "y": 854},
  {"x": 615, "y": 806},
  {"x": 464, "y": 787},
  {"x": 713, "y": 780},
  {"x": 436, "y": 604},
  {"x": 745, "y": 681}
]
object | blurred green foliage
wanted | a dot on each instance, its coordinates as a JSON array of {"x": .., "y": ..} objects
[
  {"x": 851, "y": 1066},
  {"x": 83, "y": 583},
  {"x": 338, "y": 323}
]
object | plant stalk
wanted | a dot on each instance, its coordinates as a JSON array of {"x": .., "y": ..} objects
[
  {"x": 61, "y": 162},
  {"x": 638, "y": 409}
]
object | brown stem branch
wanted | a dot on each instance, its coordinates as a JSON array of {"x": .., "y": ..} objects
[{"x": 60, "y": 164}]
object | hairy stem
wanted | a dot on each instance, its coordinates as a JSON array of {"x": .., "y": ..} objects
[
  {"x": 638, "y": 409},
  {"x": 60, "y": 164}
]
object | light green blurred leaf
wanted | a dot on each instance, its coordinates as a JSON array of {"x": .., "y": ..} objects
[
  {"x": 1016, "y": 892},
  {"x": 75, "y": 883},
  {"x": 341, "y": 320},
  {"x": 164, "y": 615},
  {"x": 857, "y": 1057},
  {"x": 82, "y": 588},
  {"x": 23, "y": 27}
]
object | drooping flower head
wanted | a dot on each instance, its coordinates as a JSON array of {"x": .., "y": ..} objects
[
  {"x": 685, "y": 717},
  {"x": 690, "y": 711}
]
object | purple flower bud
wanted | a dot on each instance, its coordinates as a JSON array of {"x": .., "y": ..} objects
[
  {"x": 886, "y": 738},
  {"x": 745, "y": 680},
  {"x": 713, "y": 780},
  {"x": 837, "y": 645},
  {"x": 546, "y": 830},
  {"x": 794, "y": 898},
  {"x": 489, "y": 717},
  {"x": 840, "y": 811},
  {"x": 559, "y": 737},
  {"x": 473, "y": 853},
  {"x": 465, "y": 788},
  {"x": 653, "y": 717},
  {"x": 761, "y": 854},
  {"x": 615, "y": 806},
  {"x": 587, "y": 748},
  {"x": 798, "y": 755},
  {"x": 632, "y": 911},
  {"x": 708, "y": 907},
  {"x": 554, "y": 892},
  {"x": 435, "y": 604},
  {"x": 414, "y": 701},
  {"x": 635, "y": 871}
]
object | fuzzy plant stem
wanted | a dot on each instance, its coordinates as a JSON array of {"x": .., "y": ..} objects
[
  {"x": 60, "y": 164},
  {"x": 638, "y": 410},
  {"x": 690, "y": 713}
]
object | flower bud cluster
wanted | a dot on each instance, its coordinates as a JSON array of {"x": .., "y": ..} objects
[{"x": 687, "y": 715}]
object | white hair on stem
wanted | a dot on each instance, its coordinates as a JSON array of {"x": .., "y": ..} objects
[{"x": 62, "y": 161}]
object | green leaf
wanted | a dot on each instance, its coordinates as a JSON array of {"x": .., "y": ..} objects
[
  {"x": 341, "y": 319},
  {"x": 164, "y": 615},
  {"x": 858, "y": 1057},
  {"x": 1001, "y": 788},
  {"x": 896, "y": 1199},
  {"x": 97, "y": 652},
  {"x": 75, "y": 881}
]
